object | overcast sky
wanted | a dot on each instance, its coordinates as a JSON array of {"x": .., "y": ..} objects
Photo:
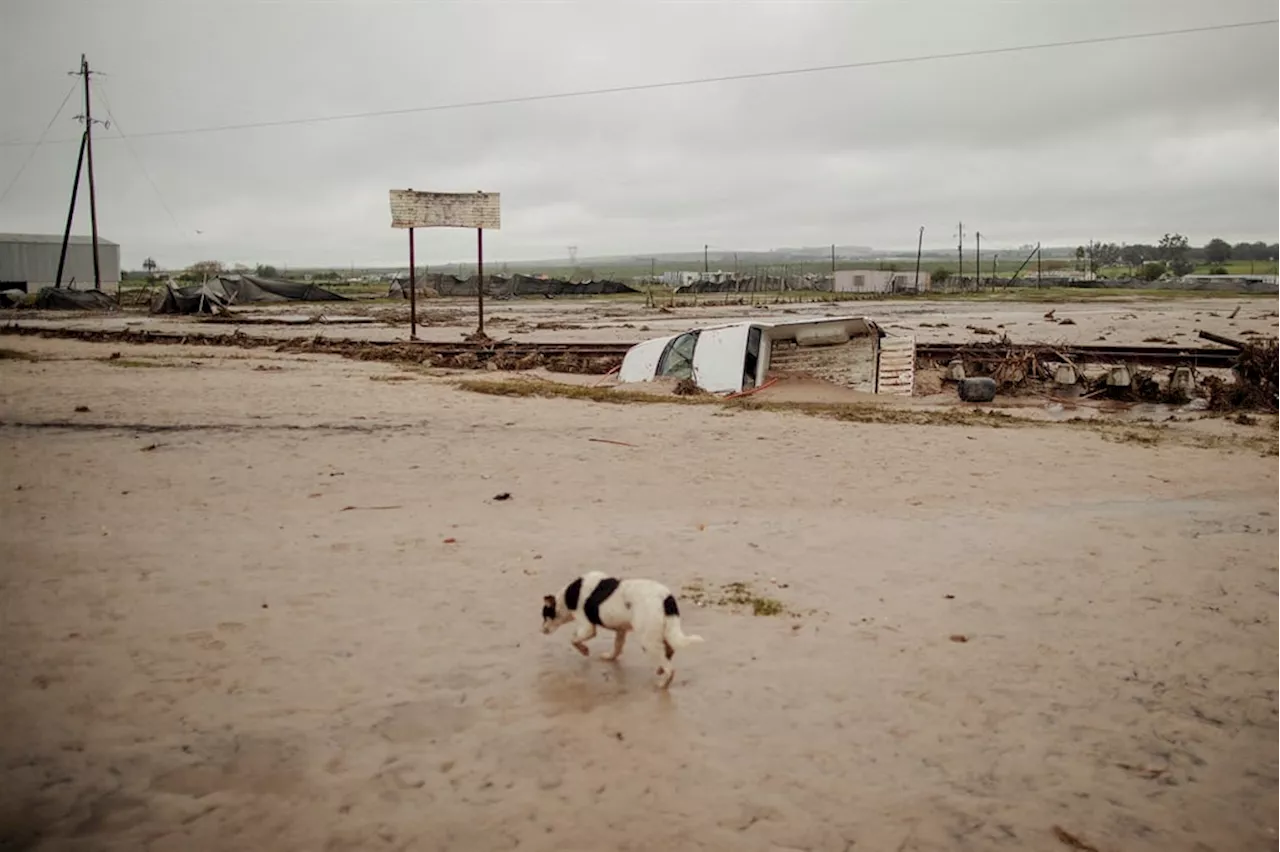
[{"x": 1120, "y": 141}]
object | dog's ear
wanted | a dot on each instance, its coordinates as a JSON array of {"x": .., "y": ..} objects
[{"x": 549, "y": 600}]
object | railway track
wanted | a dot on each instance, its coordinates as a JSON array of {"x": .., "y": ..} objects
[
  {"x": 1089, "y": 353},
  {"x": 1151, "y": 356}
]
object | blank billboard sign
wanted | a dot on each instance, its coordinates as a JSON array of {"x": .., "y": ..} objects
[{"x": 410, "y": 209}]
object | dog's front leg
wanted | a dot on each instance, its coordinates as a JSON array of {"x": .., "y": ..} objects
[
  {"x": 585, "y": 633},
  {"x": 619, "y": 639}
]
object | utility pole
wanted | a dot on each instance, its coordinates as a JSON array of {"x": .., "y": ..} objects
[
  {"x": 960, "y": 250},
  {"x": 977, "y": 263},
  {"x": 71, "y": 212},
  {"x": 86, "y": 155},
  {"x": 994, "y": 261},
  {"x": 704, "y": 262},
  {"x": 93, "y": 197},
  {"x": 1039, "y": 269},
  {"x": 919, "y": 248},
  {"x": 833, "y": 265}
]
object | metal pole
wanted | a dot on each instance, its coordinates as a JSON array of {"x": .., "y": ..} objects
[
  {"x": 960, "y": 249},
  {"x": 919, "y": 248},
  {"x": 93, "y": 197},
  {"x": 704, "y": 263},
  {"x": 413, "y": 291},
  {"x": 480, "y": 277},
  {"x": 977, "y": 264},
  {"x": 71, "y": 212},
  {"x": 1018, "y": 271},
  {"x": 1039, "y": 269}
]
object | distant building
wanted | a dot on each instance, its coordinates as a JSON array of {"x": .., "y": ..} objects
[
  {"x": 677, "y": 280},
  {"x": 877, "y": 281},
  {"x": 30, "y": 261},
  {"x": 1241, "y": 277}
]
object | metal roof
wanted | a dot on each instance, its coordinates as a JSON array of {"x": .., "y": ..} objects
[{"x": 56, "y": 239}]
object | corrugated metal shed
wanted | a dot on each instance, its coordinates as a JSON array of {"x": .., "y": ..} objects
[
  {"x": 32, "y": 260},
  {"x": 873, "y": 281}
]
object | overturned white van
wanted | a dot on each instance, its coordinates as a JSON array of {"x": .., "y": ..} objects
[{"x": 851, "y": 352}]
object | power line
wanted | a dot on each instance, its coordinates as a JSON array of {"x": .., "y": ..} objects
[
  {"x": 106, "y": 102},
  {"x": 38, "y": 143},
  {"x": 698, "y": 81}
]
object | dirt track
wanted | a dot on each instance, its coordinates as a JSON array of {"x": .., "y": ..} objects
[{"x": 234, "y": 619}]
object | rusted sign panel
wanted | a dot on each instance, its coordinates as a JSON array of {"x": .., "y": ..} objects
[{"x": 410, "y": 209}]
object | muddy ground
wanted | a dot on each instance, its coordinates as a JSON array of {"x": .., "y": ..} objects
[
  {"x": 1099, "y": 320},
  {"x": 263, "y": 601}
]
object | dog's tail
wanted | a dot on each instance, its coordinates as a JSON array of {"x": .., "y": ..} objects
[{"x": 671, "y": 631}]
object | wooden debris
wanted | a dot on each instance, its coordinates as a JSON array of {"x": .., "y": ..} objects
[
  {"x": 1218, "y": 338},
  {"x": 608, "y": 441},
  {"x": 1066, "y": 838}
]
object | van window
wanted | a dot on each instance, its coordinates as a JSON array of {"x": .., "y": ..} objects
[
  {"x": 677, "y": 358},
  {"x": 752, "y": 361}
]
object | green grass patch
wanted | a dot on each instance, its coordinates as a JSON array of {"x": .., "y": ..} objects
[
  {"x": 848, "y": 412},
  {"x": 734, "y": 596},
  {"x": 1138, "y": 434}
]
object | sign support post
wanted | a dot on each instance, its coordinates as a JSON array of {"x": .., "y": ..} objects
[
  {"x": 413, "y": 291},
  {"x": 480, "y": 277},
  {"x": 479, "y": 210}
]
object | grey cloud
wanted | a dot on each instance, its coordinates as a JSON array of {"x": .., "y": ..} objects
[{"x": 1122, "y": 141}]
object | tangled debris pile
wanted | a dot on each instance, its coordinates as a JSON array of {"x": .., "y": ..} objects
[
  {"x": 1035, "y": 370},
  {"x": 1255, "y": 380},
  {"x": 496, "y": 356}
]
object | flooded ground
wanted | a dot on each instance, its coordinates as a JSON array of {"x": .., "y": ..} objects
[
  {"x": 258, "y": 601},
  {"x": 1101, "y": 320}
]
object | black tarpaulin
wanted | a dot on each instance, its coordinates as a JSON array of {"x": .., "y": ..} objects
[{"x": 227, "y": 290}]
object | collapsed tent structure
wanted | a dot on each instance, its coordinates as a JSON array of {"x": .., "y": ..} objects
[
  {"x": 227, "y": 290},
  {"x": 507, "y": 286},
  {"x": 66, "y": 299}
]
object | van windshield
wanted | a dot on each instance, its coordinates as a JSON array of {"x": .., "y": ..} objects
[{"x": 677, "y": 358}]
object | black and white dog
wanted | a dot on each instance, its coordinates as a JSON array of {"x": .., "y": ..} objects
[{"x": 644, "y": 607}]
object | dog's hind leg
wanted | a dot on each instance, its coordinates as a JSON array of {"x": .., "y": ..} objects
[
  {"x": 585, "y": 633},
  {"x": 657, "y": 649},
  {"x": 619, "y": 639}
]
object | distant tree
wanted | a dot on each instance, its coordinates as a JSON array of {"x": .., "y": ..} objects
[
  {"x": 149, "y": 266},
  {"x": 1254, "y": 251},
  {"x": 1152, "y": 271},
  {"x": 1080, "y": 267},
  {"x": 1173, "y": 251},
  {"x": 939, "y": 276},
  {"x": 1217, "y": 251},
  {"x": 1133, "y": 256},
  {"x": 1102, "y": 255},
  {"x": 266, "y": 270},
  {"x": 203, "y": 268},
  {"x": 1217, "y": 270}
]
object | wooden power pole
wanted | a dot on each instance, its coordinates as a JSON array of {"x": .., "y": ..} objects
[{"x": 86, "y": 157}]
